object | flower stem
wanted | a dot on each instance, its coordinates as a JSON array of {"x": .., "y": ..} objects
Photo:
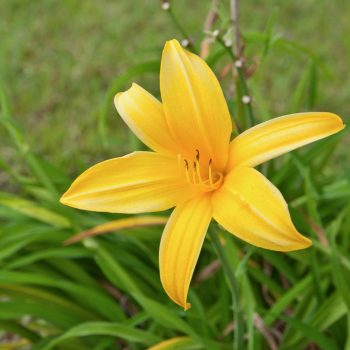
[
  {"x": 181, "y": 29},
  {"x": 244, "y": 98},
  {"x": 231, "y": 279},
  {"x": 177, "y": 24},
  {"x": 234, "y": 14}
]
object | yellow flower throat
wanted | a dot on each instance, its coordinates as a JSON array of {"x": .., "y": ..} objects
[{"x": 201, "y": 175}]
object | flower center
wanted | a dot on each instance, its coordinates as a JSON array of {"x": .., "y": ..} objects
[{"x": 201, "y": 174}]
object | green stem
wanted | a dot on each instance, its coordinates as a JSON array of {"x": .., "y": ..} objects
[
  {"x": 247, "y": 106},
  {"x": 231, "y": 279},
  {"x": 181, "y": 29},
  {"x": 177, "y": 24},
  {"x": 243, "y": 87}
]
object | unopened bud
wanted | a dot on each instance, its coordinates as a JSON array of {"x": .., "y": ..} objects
[
  {"x": 246, "y": 99},
  {"x": 185, "y": 42},
  {"x": 165, "y": 6},
  {"x": 239, "y": 64},
  {"x": 228, "y": 42},
  {"x": 216, "y": 33}
]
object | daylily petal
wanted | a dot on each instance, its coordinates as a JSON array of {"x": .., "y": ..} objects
[
  {"x": 280, "y": 135},
  {"x": 174, "y": 343},
  {"x": 144, "y": 115},
  {"x": 181, "y": 244},
  {"x": 253, "y": 209},
  {"x": 194, "y": 105},
  {"x": 137, "y": 182}
]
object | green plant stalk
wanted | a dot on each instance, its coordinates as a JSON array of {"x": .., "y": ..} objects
[
  {"x": 241, "y": 90},
  {"x": 182, "y": 30},
  {"x": 177, "y": 24},
  {"x": 23, "y": 148},
  {"x": 231, "y": 279},
  {"x": 237, "y": 54},
  {"x": 247, "y": 106}
]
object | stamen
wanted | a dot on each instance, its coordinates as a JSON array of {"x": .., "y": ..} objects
[
  {"x": 197, "y": 155},
  {"x": 187, "y": 171},
  {"x": 210, "y": 173},
  {"x": 194, "y": 174},
  {"x": 179, "y": 159},
  {"x": 198, "y": 171},
  {"x": 207, "y": 184}
]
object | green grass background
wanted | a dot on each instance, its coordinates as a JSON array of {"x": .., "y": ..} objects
[
  {"x": 58, "y": 58},
  {"x": 60, "y": 64}
]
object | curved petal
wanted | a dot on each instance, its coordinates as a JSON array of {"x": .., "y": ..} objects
[
  {"x": 144, "y": 115},
  {"x": 117, "y": 225},
  {"x": 194, "y": 105},
  {"x": 137, "y": 182},
  {"x": 280, "y": 135},
  {"x": 180, "y": 246},
  {"x": 253, "y": 209},
  {"x": 173, "y": 344}
]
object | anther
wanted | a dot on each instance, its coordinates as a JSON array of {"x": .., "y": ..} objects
[{"x": 197, "y": 155}]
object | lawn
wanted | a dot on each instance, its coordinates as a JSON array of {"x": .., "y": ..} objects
[
  {"x": 61, "y": 63},
  {"x": 62, "y": 56}
]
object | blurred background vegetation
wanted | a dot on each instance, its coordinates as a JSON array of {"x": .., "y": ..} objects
[
  {"x": 58, "y": 59},
  {"x": 60, "y": 64}
]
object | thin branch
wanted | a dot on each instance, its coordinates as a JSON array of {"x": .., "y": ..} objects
[
  {"x": 207, "y": 28},
  {"x": 234, "y": 10},
  {"x": 233, "y": 284},
  {"x": 237, "y": 54}
]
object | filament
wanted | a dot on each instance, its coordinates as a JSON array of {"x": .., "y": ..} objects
[
  {"x": 210, "y": 174},
  {"x": 194, "y": 174}
]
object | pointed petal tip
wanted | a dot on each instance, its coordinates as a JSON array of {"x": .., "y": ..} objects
[
  {"x": 302, "y": 243},
  {"x": 338, "y": 121},
  {"x": 180, "y": 247},
  {"x": 187, "y": 306},
  {"x": 119, "y": 95},
  {"x": 183, "y": 303},
  {"x": 171, "y": 45},
  {"x": 116, "y": 98},
  {"x": 174, "y": 42},
  {"x": 62, "y": 200},
  {"x": 65, "y": 199},
  {"x": 305, "y": 242}
]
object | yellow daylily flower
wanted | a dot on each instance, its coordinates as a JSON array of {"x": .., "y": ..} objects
[{"x": 196, "y": 169}]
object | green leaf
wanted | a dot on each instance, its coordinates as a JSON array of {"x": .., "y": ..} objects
[
  {"x": 341, "y": 278},
  {"x": 114, "y": 271},
  {"x": 31, "y": 209},
  {"x": 92, "y": 298},
  {"x": 17, "y": 328},
  {"x": 104, "y": 328},
  {"x": 311, "y": 333},
  {"x": 163, "y": 315}
]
